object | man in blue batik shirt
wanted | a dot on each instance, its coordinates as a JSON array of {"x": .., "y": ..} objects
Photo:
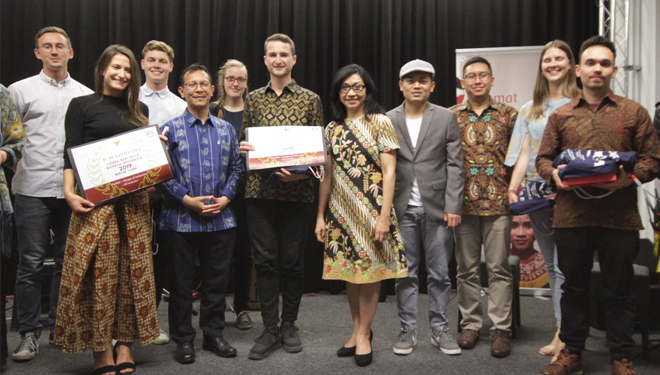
[{"x": 196, "y": 220}]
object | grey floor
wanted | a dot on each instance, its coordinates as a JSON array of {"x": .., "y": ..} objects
[{"x": 324, "y": 323}]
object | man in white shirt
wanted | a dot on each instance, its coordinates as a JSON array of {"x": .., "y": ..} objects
[
  {"x": 428, "y": 202},
  {"x": 40, "y": 207},
  {"x": 157, "y": 63}
]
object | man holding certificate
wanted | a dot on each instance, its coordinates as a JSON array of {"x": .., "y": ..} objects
[
  {"x": 279, "y": 209},
  {"x": 196, "y": 220}
]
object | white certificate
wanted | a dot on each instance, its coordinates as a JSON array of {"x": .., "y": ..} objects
[
  {"x": 118, "y": 165},
  {"x": 285, "y": 146}
]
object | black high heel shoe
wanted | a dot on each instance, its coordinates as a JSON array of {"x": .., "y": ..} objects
[
  {"x": 105, "y": 369},
  {"x": 364, "y": 360},
  {"x": 123, "y": 365},
  {"x": 349, "y": 352}
]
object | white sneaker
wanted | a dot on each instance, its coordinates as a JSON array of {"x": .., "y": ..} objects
[
  {"x": 162, "y": 339},
  {"x": 27, "y": 349}
]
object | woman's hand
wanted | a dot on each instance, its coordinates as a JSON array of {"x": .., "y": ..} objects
[
  {"x": 244, "y": 147},
  {"x": 319, "y": 231},
  {"x": 78, "y": 204},
  {"x": 512, "y": 196},
  {"x": 382, "y": 229}
]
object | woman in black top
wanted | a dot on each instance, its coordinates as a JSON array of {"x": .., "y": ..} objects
[
  {"x": 232, "y": 90},
  {"x": 107, "y": 278}
]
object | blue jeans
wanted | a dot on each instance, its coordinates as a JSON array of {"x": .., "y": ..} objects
[
  {"x": 542, "y": 224},
  {"x": 35, "y": 218},
  {"x": 418, "y": 231}
]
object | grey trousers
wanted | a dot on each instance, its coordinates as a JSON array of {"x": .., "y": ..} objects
[{"x": 419, "y": 232}]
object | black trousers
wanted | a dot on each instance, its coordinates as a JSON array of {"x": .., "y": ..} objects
[
  {"x": 214, "y": 250},
  {"x": 279, "y": 232},
  {"x": 242, "y": 271},
  {"x": 616, "y": 251}
]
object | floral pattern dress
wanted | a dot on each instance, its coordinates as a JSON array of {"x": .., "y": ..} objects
[{"x": 356, "y": 197}]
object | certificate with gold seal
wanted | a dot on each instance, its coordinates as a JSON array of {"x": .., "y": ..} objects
[
  {"x": 119, "y": 165},
  {"x": 285, "y": 146}
]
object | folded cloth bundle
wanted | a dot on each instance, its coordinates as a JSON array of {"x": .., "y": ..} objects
[
  {"x": 532, "y": 198},
  {"x": 587, "y": 167}
]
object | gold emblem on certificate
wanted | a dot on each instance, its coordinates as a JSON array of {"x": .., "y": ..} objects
[
  {"x": 122, "y": 164},
  {"x": 285, "y": 146}
]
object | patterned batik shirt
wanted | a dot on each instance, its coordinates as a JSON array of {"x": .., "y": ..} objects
[
  {"x": 485, "y": 140},
  {"x": 206, "y": 162},
  {"x": 295, "y": 106},
  {"x": 618, "y": 124}
]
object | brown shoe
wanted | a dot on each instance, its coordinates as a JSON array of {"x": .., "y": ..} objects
[
  {"x": 468, "y": 339},
  {"x": 500, "y": 346},
  {"x": 624, "y": 367},
  {"x": 566, "y": 364}
]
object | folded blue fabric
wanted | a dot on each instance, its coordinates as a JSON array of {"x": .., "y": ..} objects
[
  {"x": 583, "y": 163},
  {"x": 532, "y": 198}
]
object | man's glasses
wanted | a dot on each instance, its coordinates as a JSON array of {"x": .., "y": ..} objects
[
  {"x": 240, "y": 80},
  {"x": 473, "y": 76},
  {"x": 193, "y": 85},
  {"x": 344, "y": 89},
  {"x": 49, "y": 47}
]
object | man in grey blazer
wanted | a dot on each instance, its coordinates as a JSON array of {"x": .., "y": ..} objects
[{"x": 427, "y": 201}]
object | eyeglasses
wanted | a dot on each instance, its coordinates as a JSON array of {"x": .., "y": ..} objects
[
  {"x": 193, "y": 85},
  {"x": 473, "y": 76},
  {"x": 240, "y": 80},
  {"x": 59, "y": 48},
  {"x": 344, "y": 89}
]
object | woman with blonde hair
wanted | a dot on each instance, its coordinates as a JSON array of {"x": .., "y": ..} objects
[
  {"x": 232, "y": 90},
  {"x": 555, "y": 87},
  {"x": 107, "y": 278}
]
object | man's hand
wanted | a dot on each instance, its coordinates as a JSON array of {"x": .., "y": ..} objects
[
  {"x": 557, "y": 180},
  {"x": 198, "y": 204},
  {"x": 623, "y": 181},
  {"x": 452, "y": 220},
  {"x": 244, "y": 147},
  {"x": 286, "y": 176},
  {"x": 163, "y": 138}
]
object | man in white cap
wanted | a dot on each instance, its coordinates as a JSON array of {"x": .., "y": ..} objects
[{"x": 427, "y": 201}]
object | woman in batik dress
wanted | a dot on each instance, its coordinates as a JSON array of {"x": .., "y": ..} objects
[
  {"x": 355, "y": 218},
  {"x": 107, "y": 290}
]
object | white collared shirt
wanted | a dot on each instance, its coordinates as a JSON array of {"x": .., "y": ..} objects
[
  {"x": 42, "y": 103},
  {"x": 163, "y": 105}
]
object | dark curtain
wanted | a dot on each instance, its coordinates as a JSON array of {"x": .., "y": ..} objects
[{"x": 380, "y": 35}]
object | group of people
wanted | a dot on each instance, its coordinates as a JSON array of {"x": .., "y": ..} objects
[{"x": 396, "y": 187}]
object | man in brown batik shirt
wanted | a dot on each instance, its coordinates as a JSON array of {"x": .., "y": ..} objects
[
  {"x": 598, "y": 120},
  {"x": 486, "y": 126}
]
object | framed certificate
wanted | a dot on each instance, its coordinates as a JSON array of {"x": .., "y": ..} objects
[
  {"x": 119, "y": 165},
  {"x": 285, "y": 146}
]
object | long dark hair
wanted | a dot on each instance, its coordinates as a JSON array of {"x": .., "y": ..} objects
[
  {"x": 371, "y": 106},
  {"x": 132, "y": 93}
]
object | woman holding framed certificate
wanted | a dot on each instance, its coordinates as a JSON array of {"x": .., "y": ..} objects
[
  {"x": 107, "y": 278},
  {"x": 555, "y": 86},
  {"x": 355, "y": 218}
]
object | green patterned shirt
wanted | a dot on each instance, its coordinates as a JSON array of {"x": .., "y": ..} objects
[{"x": 295, "y": 106}]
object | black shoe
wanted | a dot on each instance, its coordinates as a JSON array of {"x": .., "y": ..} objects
[
  {"x": 266, "y": 343},
  {"x": 220, "y": 347},
  {"x": 185, "y": 353},
  {"x": 290, "y": 339},
  {"x": 364, "y": 360},
  {"x": 243, "y": 320},
  {"x": 349, "y": 352}
]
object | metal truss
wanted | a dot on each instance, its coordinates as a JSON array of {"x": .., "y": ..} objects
[{"x": 614, "y": 22}]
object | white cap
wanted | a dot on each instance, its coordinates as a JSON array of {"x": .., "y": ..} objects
[{"x": 417, "y": 66}]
